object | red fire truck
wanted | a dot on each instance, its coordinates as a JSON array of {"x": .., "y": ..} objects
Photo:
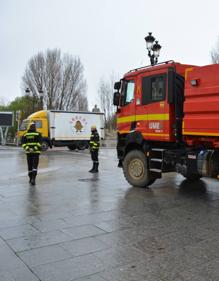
[{"x": 168, "y": 120}]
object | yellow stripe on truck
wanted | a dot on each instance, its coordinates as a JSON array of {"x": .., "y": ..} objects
[
  {"x": 148, "y": 134},
  {"x": 200, "y": 133},
  {"x": 144, "y": 117},
  {"x": 155, "y": 135},
  {"x": 126, "y": 119},
  {"x": 161, "y": 117}
]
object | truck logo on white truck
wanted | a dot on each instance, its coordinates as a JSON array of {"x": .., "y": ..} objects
[{"x": 78, "y": 124}]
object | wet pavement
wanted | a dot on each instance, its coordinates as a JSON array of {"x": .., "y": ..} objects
[{"x": 75, "y": 226}]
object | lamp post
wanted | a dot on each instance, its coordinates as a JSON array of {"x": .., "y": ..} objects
[
  {"x": 40, "y": 91},
  {"x": 41, "y": 98},
  {"x": 27, "y": 91},
  {"x": 153, "y": 48}
]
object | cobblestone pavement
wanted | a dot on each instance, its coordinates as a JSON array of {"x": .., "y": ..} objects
[{"x": 75, "y": 226}]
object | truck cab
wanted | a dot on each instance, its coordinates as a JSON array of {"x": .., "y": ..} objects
[
  {"x": 41, "y": 121},
  {"x": 148, "y": 101}
]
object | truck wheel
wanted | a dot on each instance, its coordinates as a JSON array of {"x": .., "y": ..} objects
[
  {"x": 82, "y": 145},
  {"x": 135, "y": 169},
  {"x": 71, "y": 147},
  {"x": 44, "y": 145},
  {"x": 193, "y": 177}
]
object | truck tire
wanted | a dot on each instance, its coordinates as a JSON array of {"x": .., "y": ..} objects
[
  {"x": 193, "y": 178},
  {"x": 82, "y": 145},
  {"x": 71, "y": 147},
  {"x": 44, "y": 145},
  {"x": 135, "y": 169}
]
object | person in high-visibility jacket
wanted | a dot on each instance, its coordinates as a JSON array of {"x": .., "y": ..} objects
[
  {"x": 31, "y": 143},
  {"x": 94, "y": 149}
]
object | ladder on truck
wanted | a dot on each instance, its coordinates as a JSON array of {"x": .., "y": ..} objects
[{"x": 156, "y": 160}]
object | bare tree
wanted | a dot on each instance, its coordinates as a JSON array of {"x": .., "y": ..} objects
[
  {"x": 105, "y": 92},
  {"x": 59, "y": 78},
  {"x": 215, "y": 53}
]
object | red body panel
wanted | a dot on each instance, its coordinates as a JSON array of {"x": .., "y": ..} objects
[{"x": 201, "y": 106}]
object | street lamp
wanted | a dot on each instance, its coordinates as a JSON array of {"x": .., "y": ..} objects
[
  {"x": 152, "y": 46},
  {"x": 40, "y": 91},
  {"x": 27, "y": 91}
]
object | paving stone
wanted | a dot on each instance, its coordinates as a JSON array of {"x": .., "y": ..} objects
[
  {"x": 205, "y": 250},
  {"x": 120, "y": 256},
  {"x": 5, "y": 276},
  {"x": 122, "y": 237},
  {"x": 17, "y": 231},
  {"x": 8, "y": 259},
  {"x": 93, "y": 218},
  {"x": 6, "y": 222},
  {"x": 208, "y": 271},
  {"x": 11, "y": 267},
  {"x": 39, "y": 240},
  {"x": 166, "y": 243},
  {"x": 84, "y": 246},
  {"x": 44, "y": 255},
  {"x": 93, "y": 277},
  {"x": 126, "y": 274},
  {"x": 187, "y": 276},
  {"x": 83, "y": 231},
  {"x": 18, "y": 274},
  {"x": 70, "y": 269},
  {"x": 50, "y": 225},
  {"x": 170, "y": 264},
  {"x": 113, "y": 225}
]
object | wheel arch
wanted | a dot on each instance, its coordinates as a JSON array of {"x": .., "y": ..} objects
[
  {"x": 133, "y": 146},
  {"x": 135, "y": 141}
]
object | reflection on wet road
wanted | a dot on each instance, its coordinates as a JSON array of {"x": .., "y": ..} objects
[{"x": 77, "y": 226}]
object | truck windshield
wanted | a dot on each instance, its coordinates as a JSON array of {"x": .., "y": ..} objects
[
  {"x": 24, "y": 125},
  {"x": 128, "y": 91}
]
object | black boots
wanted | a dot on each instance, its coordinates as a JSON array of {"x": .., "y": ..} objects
[
  {"x": 33, "y": 178},
  {"x": 30, "y": 176},
  {"x": 91, "y": 171},
  {"x": 95, "y": 168}
]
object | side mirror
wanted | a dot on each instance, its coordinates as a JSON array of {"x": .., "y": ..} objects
[
  {"x": 116, "y": 98},
  {"x": 117, "y": 85}
]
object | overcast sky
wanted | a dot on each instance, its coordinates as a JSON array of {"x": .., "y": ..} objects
[{"x": 108, "y": 35}]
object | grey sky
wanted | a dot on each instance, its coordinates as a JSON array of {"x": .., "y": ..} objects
[{"x": 108, "y": 35}]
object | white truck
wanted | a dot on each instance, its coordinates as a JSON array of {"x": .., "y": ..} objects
[{"x": 64, "y": 128}]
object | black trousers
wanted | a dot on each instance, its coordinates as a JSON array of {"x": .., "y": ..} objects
[
  {"x": 94, "y": 156},
  {"x": 32, "y": 161}
]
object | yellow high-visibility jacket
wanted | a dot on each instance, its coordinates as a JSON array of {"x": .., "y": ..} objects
[
  {"x": 31, "y": 142},
  {"x": 94, "y": 141}
]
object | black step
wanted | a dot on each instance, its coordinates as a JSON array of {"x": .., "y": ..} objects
[
  {"x": 159, "y": 171},
  {"x": 158, "y": 149},
  {"x": 156, "y": 160}
]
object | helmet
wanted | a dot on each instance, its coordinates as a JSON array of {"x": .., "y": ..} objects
[{"x": 32, "y": 126}]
